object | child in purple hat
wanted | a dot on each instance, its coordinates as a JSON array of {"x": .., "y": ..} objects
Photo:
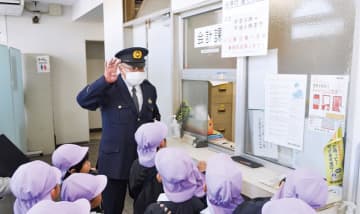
[
  {"x": 182, "y": 183},
  {"x": 33, "y": 182},
  {"x": 143, "y": 186},
  {"x": 286, "y": 206},
  {"x": 83, "y": 185},
  {"x": 303, "y": 184},
  {"x": 71, "y": 158},
  {"x": 80, "y": 206},
  {"x": 223, "y": 182},
  {"x": 306, "y": 185}
]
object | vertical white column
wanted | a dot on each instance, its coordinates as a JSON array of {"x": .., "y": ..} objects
[
  {"x": 240, "y": 112},
  {"x": 352, "y": 158},
  {"x": 113, "y": 27}
]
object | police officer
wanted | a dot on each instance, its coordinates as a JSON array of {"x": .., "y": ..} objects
[{"x": 127, "y": 100}]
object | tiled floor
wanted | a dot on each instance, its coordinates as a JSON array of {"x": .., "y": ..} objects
[{"x": 6, "y": 204}]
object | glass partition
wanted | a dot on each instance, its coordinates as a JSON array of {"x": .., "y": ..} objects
[
  {"x": 311, "y": 37},
  {"x": 209, "y": 57},
  {"x": 211, "y": 111}
]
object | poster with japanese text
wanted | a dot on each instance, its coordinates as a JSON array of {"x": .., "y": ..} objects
[
  {"x": 285, "y": 110},
  {"x": 259, "y": 145},
  {"x": 207, "y": 36},
  {"x": 245, "y": 27},
  {"x": 327, "y": 104},
  {"x": 334, "y": 159}
]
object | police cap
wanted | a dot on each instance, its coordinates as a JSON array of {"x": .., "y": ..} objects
[{"x": 133, "y": 56}]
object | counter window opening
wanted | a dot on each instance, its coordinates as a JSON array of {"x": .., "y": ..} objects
[
  {"x": 306, "y": 37},
  {"x": 208, "y": 84}
]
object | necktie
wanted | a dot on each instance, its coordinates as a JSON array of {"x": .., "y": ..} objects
[{"x": 135, "y": 99}]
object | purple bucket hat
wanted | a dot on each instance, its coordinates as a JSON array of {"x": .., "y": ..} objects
[
  {"x": 181, "y": 178},
  {"x": 68, "y": 155},
  {"x": 32, "y": 182},
  {"x": 81, "y": 206},
  {"x": 286, "y": 206},
  {"x": 82, "y": 185},
  {"x": 306, "y": 185},
  {"x": 148, "y": 137},
  {"x": 223, "y": 181}
]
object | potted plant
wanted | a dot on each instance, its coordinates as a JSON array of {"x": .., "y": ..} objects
[{"x": 182, "y": 115}]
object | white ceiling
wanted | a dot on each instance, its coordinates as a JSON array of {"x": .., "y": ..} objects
[
  {"x": 63, "y": 2},
  {"x": 95, "y": 15}
]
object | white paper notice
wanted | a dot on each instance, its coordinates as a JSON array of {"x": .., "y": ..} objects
[
  {"x": 328, "y": 98},
  {"x": 261, "y": 147},
  {"x": 208, "y": 36},
  {"x": 259, "y": 67},
  {"x": 245, "y": 27},
  {"x": 43, "y": 64},
  {"x": 285, "y": 110}
]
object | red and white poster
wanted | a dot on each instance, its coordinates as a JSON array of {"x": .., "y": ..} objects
[{"x": 327, "y": 107}]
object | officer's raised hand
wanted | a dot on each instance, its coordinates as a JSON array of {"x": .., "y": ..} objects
[{"x": 110, "y": 72}]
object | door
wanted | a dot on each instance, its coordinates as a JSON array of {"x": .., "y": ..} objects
[
  {"x": 39, "y": 107},
  {"x": 160, "y": 64}
]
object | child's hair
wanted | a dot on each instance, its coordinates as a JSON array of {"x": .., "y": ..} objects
[{"x": 78, "y": 166}]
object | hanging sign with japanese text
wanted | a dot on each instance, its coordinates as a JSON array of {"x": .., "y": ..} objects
[
  {"x": 208, "y": 36},
  {"x": 245, "y": 27}
]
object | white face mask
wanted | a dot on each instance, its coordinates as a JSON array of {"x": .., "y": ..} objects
[{"x": 135, "y": 78}]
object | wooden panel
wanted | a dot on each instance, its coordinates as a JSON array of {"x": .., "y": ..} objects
[
  {"x": 225, "y": 128},
  {"x": 221, "y": 112},
  {"x": 221, "y": 93},
  {"x": 129, "y": 10}
]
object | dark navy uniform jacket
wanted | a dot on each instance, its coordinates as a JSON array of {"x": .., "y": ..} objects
[{"x": 120, "y": 120}]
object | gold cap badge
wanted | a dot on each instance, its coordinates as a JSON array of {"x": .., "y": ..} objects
[
  {"x": 137, "y": 54},
  {"x": 149, "y": 101}
]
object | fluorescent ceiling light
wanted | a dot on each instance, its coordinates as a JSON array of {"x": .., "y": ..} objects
[
  {"x": 313, "y": 7},
  {"x": 317, "y": 29}
]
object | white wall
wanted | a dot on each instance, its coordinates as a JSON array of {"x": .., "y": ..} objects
[
  {"x": 177, "y": 5},
  {"x": 64, "y": 41},
  {"x": 3, "y": 37},
  {"x": 95, "y": 68},
  {"x": 113, "y": 27}
]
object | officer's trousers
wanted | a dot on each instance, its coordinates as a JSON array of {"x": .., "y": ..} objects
[{"x": 114, "y": 196}]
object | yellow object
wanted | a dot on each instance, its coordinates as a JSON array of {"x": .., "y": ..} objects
[
  {"x": 137, "y": 54},
  {"x": 334, "y": 159},
  {"x": 210, "y": 126}
]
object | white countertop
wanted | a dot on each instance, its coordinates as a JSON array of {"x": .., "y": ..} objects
[{"x": 255, "y": 180}]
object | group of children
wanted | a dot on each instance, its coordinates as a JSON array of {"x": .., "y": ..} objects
[
  {"x": 66, "y": 187},
  {"x": 162, "y": 180}
]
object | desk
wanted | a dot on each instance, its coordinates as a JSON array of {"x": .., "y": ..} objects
[{"x": 253, "y": 185}]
